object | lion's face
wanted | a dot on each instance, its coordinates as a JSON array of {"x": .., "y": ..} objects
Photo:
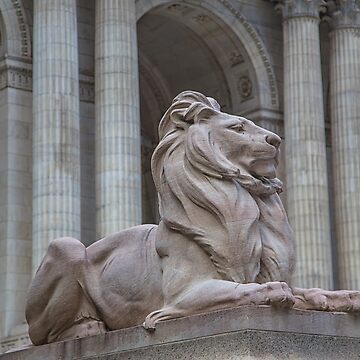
[{"x": 245, "y": 144}]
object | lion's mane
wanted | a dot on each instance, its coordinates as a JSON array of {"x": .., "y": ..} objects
[{"x": 214, "y": 202}]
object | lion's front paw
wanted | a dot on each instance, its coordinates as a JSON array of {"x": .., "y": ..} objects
[
  {"x": 325, "y": 300},
  {"x": 355, "y": 301},
  {"x": 312, "y": 299},
  {"x": 279, "y": 294}
]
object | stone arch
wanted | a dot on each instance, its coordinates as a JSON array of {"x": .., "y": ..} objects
[
  {"x": 17, "y": 33},
  {"x": 235, "y": 67},
  {"x": 246, "y": 33}
]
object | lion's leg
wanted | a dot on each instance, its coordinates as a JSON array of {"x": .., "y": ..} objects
[
  {"x": 57, "y": 306},
  {"x": 219, "y": 294},
  {"x": 325, "y": 300}
]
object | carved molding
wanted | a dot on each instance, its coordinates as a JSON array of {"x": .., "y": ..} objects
[
  {"x": 344, "y": 14},
  {"x": 15, "y": 77},
  {"x": 24, "y": 28},
  {"x": 301, "y": 8},
  {"x": 20, "y": 77},
  {"x": 245, "y": 87},
  {"x": 236, "y": 58},
  {"x": 261, "y": 48}
]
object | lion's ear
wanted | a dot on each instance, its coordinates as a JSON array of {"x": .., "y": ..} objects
[
  {"x": 198, "y": 112},
  {"x": 173, "y": 118},
  {"x": 203, "y": 115}
]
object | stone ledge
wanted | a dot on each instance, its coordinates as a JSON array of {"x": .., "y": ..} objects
[
  {"x": 18, "y": 338},
  {"x": 239, "y": 333}
]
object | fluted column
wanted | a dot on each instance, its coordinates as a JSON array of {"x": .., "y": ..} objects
[
  {"x": 56, "y": 153},
  {"x": 345, "y": 129},
  {"x": 307, "y": 184},
  {"x": 118, "y": 157}
]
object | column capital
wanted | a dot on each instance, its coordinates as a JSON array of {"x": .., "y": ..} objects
[
  {"x": 301, "y": 8},
  {"x": 343, "y": 14}
]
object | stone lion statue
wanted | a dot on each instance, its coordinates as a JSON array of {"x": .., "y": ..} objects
[{"x": 223, "y": 240}]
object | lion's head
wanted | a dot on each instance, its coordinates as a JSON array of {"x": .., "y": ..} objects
[
  {"x": 215, "y": 175},
  {"x": 220, "y": 145}
]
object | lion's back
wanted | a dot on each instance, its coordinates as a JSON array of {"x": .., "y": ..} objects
[{"x": 128, "y": 276}]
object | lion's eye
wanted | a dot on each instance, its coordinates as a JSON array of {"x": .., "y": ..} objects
[{"x": 237, "y": 127}]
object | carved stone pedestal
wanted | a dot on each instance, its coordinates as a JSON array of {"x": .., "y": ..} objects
[{"x": 239, "y": 333}]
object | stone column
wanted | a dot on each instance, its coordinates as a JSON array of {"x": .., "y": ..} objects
[
  {"x": 56, "y": 153},
  {"x": 117, "y": 116},
  {"x": 345, "y": 129},
  {"x": 15, "y": 194},
  {"x": 307, "y": 183}
]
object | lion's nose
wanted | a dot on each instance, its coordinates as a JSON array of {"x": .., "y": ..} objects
[{"x": 273, "y": 140}]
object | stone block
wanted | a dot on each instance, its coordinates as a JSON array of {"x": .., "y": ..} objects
[{"x": 240, "y": 333}]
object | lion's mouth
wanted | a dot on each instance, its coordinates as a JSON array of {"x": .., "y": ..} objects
[{"x": 263, "y": 156}]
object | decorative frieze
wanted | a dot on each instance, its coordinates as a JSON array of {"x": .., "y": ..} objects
[
  {"x": 21, "y": 78},
  {"x": 18, "y": 78}
]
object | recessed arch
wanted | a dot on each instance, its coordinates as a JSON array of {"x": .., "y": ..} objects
[
  {"x": 206, "y": 46},
  {"x": 246, "y": 33}
]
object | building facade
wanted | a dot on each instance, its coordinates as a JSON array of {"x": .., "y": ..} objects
[{"x": 83, "y": 85}]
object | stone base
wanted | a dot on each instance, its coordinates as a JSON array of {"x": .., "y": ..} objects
[
  {"x": 18, "y": 338},
  {"x": 240, "y": 333}
]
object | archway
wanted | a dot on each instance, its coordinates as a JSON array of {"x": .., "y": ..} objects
[
  {"x": 190, "y": 46},
  {"x": 16, "y": 37}
]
